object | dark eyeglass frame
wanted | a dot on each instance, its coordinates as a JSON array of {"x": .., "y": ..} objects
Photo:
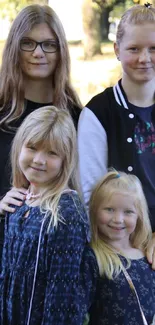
[{"x": 40, "y": 44}]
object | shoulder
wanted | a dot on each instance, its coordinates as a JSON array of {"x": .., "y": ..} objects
[
  {"x": 73, "y": 211},
  {"x": 101, "y": 99},
  {"x": 71, "y": 202},
  {"x": 104, "y": 106}
]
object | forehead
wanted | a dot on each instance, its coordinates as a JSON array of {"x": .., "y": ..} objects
[
  {"x": 119, "y": 200},
  {"x": 42, "y": 145},
  {"x": 40, "y": 32},
  {"x": 143, "y": 34}
]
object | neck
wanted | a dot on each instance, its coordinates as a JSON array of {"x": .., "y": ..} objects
[
  {"x": 125, "y": 247},
  {"x": 35, "y": 189},
  {"x": 121, "y": 245},
  {"x": 139, "y": 94},
  {"x": 39, "y": 91}
]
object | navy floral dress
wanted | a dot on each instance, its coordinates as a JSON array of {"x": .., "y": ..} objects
[
  {"x": 114, "y": 302},
  {"x": 43, "y": 287}
]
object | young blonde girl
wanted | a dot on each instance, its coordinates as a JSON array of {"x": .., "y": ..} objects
[
  {"x": 46, "y": 234},
  {"x": 124, "y": 280}
]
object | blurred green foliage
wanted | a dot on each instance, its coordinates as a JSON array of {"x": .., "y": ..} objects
[{"x": 10, "y": 8}]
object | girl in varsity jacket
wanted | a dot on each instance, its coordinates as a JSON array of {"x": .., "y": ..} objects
[{"x": 117, "y": 127}]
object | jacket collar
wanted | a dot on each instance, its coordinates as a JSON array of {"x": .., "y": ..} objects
[{"x": 120, "y": 95}]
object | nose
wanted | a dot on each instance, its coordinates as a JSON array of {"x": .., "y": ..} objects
[
  {"x": 38, "y": 52},
  {"x": 39, "y": 158},
  {"x": 118, "y": 217},
  {"x": 144, "y": 56}
]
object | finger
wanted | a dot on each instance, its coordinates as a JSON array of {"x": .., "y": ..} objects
[
  {"x": 5, "y": 208},
  {"x": 149, "y": 252},
  {"x": 9, "y": 209},
  {"x": 153, "y": 260},
  {"x": 13, "y": 201},
  {"x": 14, "y": 194},
  {"x": 22, "y": 190}
]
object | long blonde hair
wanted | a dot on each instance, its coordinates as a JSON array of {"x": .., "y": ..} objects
[
  {"x": 11, "y": 76},
  {"x": 136, "y": 15},
  {"x": 47, "y": 126},
  {"x": 118, "y": 183}
]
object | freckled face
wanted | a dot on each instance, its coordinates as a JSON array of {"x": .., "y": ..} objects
[
  {"x": 117, "y": 218},
  {"x": 136, "y": 52},
  {"x": 37, "y": 64}
]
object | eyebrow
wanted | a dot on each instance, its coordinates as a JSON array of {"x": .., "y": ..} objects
[{"x": 47, "y": 39}]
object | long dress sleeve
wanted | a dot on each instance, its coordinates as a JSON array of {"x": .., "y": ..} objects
[
  {"x": 65, "y": 247},
  {"x": 4, "y": 268}
]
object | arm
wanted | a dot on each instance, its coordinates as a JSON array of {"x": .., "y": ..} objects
[
  {"x": 15, "y": 196},
  {"x": 3, "y": 269},
  {"x": 93, "y": 151},
  {"x": 63, "y": 302}
]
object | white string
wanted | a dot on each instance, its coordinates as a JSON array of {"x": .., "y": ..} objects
[{"x": 35, "y": 273}]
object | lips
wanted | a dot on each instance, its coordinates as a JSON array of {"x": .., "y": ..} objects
[
  {"x": 116, "y": 228},
  {"x": 144, "y": 68},
  {"x": 38, "y": 169},
  {"x": 37, "y": 63}
]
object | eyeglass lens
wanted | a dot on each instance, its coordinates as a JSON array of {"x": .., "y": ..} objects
[{"x": 29, "y": 45}]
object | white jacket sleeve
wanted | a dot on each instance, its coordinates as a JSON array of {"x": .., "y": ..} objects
[{"x": 93, "y": 151}]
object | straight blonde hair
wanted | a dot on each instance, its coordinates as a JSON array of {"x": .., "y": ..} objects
[
  {"x": 136, "y": 15},
  {"x": 44, "y": 127},
  {"x": 118, "y": 183}
]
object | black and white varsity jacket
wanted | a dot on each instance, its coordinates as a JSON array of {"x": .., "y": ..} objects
[{"x": 105, "y": 137}]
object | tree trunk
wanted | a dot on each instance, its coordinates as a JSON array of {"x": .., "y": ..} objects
[
  {"x": 92, "y": 32},
  {"x": 105, "y": 23}
]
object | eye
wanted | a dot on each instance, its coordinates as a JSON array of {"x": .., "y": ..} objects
[
  {"x": 152, "y": 48},
  {"x": 31, "y": 146},
  {"x": 50, "y": 45},
  {"x": 109, "y": 209},
  {"x": 52, "y": 153},
  {"x": 128, "y": 211},
  {"x": 133, "y": 49},
  {"x": 27, "y": 43}
]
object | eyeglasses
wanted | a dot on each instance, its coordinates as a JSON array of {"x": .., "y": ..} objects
[{"x": 29, "y": 45}]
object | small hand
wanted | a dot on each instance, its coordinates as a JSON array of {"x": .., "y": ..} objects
[
  {"x": 15, "y": 196},
  {"x": 150, "y": 253}
]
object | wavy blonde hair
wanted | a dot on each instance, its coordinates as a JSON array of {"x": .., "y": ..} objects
[
  {"x": 136, "y": 15},
  {"x": 46, "y": 126},
  {"x": 11, "y": 76},
  {"x": 118, "y": 183}
]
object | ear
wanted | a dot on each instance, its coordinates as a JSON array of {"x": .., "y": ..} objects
[{"x": 116, "y": 50}]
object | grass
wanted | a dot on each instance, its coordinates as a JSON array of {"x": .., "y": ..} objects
[{"x": 93, "y": 76}]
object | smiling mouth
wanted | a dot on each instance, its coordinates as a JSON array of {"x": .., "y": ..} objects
[
  {"x": 37, "y": 169},
  {"x": 144, "y": 68},
  {"x": 37, "y": 63},
  {"x": 117, "y": 229}
]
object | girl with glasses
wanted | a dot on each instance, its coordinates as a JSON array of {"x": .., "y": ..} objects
[{"x": 35, "y": 71}]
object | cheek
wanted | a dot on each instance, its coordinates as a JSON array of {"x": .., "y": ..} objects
[
  {"x": 128, "y": 61},
  {"x": 132, "y": 224},
  {"x": 54, "y": 60},
  {"x": 20, "y": 161},
  {"x": 23, "y": 59},
  {"x": 102, "y": 218}
]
